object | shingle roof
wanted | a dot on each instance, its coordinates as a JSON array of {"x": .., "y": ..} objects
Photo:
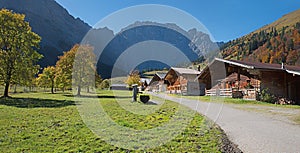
[
  {"x": 257, "y": 65},
  {"x": 185, "y": 71},
  {"x": 157, "y": 77}
]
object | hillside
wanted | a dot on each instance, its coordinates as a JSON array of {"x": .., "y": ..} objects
[
  {"x": 274, "y": 43},
  {"x": 58, "y": 29},
  {"x": 287, "y": 20}
]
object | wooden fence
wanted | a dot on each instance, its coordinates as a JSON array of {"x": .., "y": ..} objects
[
  {"x": 219, "y": 92},
  {"x": 249, "y": 94}
]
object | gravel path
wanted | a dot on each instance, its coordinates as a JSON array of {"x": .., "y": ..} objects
[{"x": 251, "y": 131}]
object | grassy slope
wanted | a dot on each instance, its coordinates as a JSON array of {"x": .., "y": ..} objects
[
  {"x": 41, "y": 122},
  {"x": 286, "y": 20},
  {"x": 270, "y": 48}
]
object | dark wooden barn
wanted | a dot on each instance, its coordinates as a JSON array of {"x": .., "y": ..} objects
[{"x": 279, "y": 79}]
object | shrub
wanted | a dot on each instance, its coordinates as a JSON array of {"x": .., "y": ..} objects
[
  {"x": 105, "y": 84},
  {"x": 133, "y": 78},
  {"x": 266, "y": 96}
]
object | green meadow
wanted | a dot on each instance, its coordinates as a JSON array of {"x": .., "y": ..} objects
[{"x": 44, "y": 122}]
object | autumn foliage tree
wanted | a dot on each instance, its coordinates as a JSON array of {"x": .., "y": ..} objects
[
  {"x": 47, "y": 78},
  {"x": 18, "y": 45},
  {"x": 84, "y": 69},
  {"x": 133, "y": 78},
  {"x": 64, "y": 68},
  {"x": 105, "y": 84},
  {"x": 77, "y": 68},
  {"x": 41, "y": 81},
  {"x": 272, "y": 45}
]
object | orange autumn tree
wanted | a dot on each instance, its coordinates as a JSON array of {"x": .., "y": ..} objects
[
  {"x": 64, "y": 66},
  {"x": 47, "y": 78},
  {"x": 84, "y": 70},
  {"x": 76, "y": 67}
]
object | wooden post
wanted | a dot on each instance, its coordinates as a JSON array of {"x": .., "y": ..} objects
[
  {"x": 239, "y": 78},
  {"x": 286, "y": 86}
]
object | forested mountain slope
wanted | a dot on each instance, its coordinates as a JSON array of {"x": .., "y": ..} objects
[{"x": 274, "y": 43}]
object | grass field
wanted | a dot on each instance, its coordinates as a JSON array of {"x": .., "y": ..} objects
[{"x": 44, "y": 122}]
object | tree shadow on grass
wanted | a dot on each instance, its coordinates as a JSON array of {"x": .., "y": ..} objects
[
  {"x": 151, "y": 103},
  {"x": 99, "y": 96},
  {"x": 35, "y": 102}
]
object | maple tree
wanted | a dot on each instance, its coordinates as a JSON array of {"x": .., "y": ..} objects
[
  {"x": 47, "y": 78},
  {"x": 84, "y": 70},
  {"x": 18, "y": 50}
]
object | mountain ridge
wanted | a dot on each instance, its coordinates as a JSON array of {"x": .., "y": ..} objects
[
  {"x": 145, "y": 38},
  {"x": 274, "y": 43},
  {"x": 60, "y": 30}
]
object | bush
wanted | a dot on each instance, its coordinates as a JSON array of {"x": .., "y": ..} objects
[
  {"x": 133, "y": 78},
  {"x": 105, "y": 84},
  {"x": 266, "y": 96}
]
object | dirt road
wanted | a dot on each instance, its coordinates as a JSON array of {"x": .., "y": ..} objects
[{"x": 252, "y": 131}]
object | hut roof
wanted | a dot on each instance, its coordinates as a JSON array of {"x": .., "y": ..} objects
[
  {"x": 182, "y": 71},
  {"x": 257, "y": 65},
  {"x": 157, "y": 77}
]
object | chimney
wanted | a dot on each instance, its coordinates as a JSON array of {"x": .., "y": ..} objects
[{"x": 282, "y": 66}]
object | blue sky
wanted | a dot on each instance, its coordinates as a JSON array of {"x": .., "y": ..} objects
[{"x": 225, "y": 19}]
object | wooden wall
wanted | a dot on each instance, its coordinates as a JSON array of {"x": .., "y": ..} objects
[
  {"x": 275, "y": 82},
  {"x": 281, "y": 84},
  {"x": 293, "y": 85}
]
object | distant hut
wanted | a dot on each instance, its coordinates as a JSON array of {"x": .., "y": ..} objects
[
  {"x": 158, "y": 83},
  {"x": 144, "y": 83},
  {"x": 118, "y": 87},
  {"x": 183, "y": 81}
]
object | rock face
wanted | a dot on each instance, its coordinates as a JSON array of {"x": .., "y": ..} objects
[
  {"x": 200, "y": 42},
  {"x": 58, "y": 29},
  {"x": 149, "y": 43}
]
